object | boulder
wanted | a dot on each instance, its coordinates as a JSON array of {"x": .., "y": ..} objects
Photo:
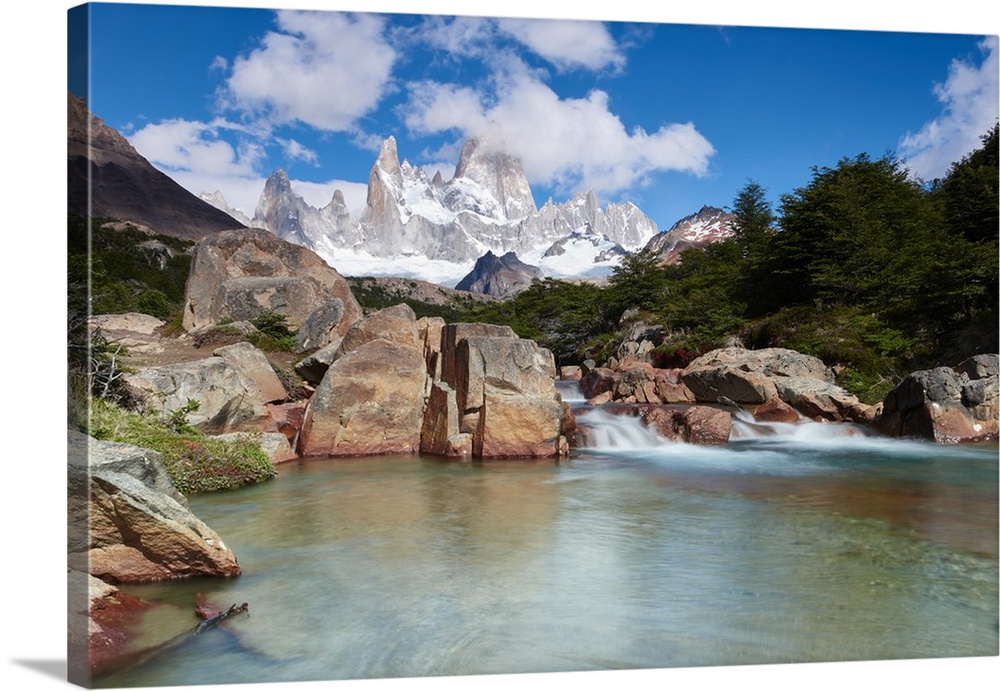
[
  {"x": 821, "y": 400},
  {"x": 451, "y": 334},
  {"x": 370, "y": 402},
  {"x": 240, "y": 274},
  {"x": 254, "y": 365},
  {"x": 321, "y": 327},
  {"x": 397, "y": 324},
  {"x": 313, "y": 367},
  {"x": 598, "y": 380},
  {"x": 692, "y": 424},
  {"x": 430, "y": 330},
  {"x": 140, "y": 528},
  {"x": 570, "y": 373},
  {"x": 441, "y": 433},
  {"x": 286, "y": 418},
  {"x": 505, "y": 391},
  {"x": 744, "y": 376},
  {"x": 775, "y": 410},
  {"x": 231, "y": 388},
  {"x": 754, "y": 377},
  {"x": 947, "y": 405}
]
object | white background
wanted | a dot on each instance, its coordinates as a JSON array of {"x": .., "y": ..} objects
[{"x": 33, "y": 169}]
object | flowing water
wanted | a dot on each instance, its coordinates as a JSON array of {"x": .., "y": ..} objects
[{"x": 793, "y": 543}]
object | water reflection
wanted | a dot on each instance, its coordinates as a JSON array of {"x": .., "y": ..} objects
[{"x": 644, "y": 557}]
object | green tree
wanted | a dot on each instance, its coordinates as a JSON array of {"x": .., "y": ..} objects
[
  {"x": 857, "y": 234},
  {"x": 638, "y": 282},
  {"x": 754, "y": 219},
  {"x": 754, "y": 228},
  {"x": 970, "y": 193}
]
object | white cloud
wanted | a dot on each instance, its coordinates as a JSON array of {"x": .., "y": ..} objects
[
  {"x": 969, "y": 99},
  {"x": 567, "y": 44},
  {"x": 458, "y": 36},
  {"x": 196, "y": 156},
  {"x": 296, "y": 151},
  {"x": 571, "y": 143},
  {"x": 186, "y": 145},
  {"x": 324, "y": 69}
]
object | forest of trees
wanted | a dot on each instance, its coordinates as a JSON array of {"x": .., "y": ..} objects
[{"x": 864, "y": 267}]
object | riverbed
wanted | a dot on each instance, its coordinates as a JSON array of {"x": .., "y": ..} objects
[{"x": 790, "y": 544}]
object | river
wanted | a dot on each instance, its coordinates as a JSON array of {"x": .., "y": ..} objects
[{"x": 790, "y": 544}]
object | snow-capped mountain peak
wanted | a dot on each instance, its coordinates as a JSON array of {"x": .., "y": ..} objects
[
  {"x": 486, "y": 206},
  {"x": 708, "y": 225}
]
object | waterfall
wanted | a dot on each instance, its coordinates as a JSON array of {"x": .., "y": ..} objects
[
  {"x": 570, "y": 391},
  {"x": 804, "y": 430},
  {"x": 622, "y": 432}
]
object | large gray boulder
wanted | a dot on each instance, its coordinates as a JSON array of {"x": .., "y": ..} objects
[
  {"x": 753, "y": 377},
  {"x": 231, "y": 388},
  {"x": 945, "y": 404},
  {"x": 139, "y": 527},
  {"x": 240, "y": 274}
]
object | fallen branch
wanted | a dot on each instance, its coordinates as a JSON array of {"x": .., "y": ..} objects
[{"x": 222, "y": 616}]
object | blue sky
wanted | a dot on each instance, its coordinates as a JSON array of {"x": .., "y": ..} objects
[{"x": 669, "y": 116}]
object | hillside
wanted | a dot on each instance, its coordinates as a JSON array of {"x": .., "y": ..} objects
[{"x": 122, "y": 184}]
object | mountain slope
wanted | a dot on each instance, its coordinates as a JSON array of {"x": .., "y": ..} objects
[
  {"x": 499, "y": 276},
  {"x": 124, "y": 185},
  {"x": 698, "y": 230}
]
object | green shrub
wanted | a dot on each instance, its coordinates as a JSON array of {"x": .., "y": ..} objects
[
  {"x": 275, "y": 334},
  {"x": 195, "y": 462}
]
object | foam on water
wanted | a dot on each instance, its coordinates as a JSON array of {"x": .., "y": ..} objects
[{"x": 798, "y": 448}]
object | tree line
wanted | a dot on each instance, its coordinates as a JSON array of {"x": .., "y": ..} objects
[{"x": 865, "y": 267}]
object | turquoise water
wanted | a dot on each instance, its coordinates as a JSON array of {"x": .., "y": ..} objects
[{"x": 787, "y": 545}]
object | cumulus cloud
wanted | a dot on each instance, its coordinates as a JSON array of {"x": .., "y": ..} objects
[
  {"x": 567, "y": 44},
  {"x": 969, "y": 109},
  {"x": 570, "y": 143},
  {"x": 187, "y": 145},
  {"x": 198, "y": 157},
  {"x": 296, "y": 151},
  {"x": 457, "y": 36},
  {"x": 323, "y": 69},
  {"x": 319, "y": 194}
]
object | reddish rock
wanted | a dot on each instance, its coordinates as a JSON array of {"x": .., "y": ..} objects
[
  {"x": 240, "y": 274},
  {"x": 600, "y": 399},
  {"x": 370, "y": 402},
  {"x": 693, "y": 424},
  {"x": 598, "y": 380},
  {"x": 286, "y": 418},
  {"x": 775, "y": 410},
  {"x": 441, "y": 433},
  {"x": 505, "y": 388},
  {"x": 669, "y": 387},
  {"x": 139, "y": 526},
  {"x": 570, "y": 373},
  {"x": 112, "y": 617}
]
